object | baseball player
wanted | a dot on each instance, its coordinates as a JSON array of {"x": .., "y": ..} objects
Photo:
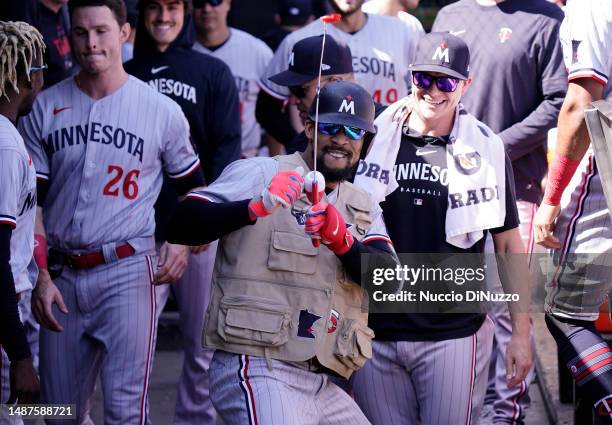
[
  {"x": 275, "y": 314},
  {"x": 382, "y": 48},
  {"x": 21, "y": 55},
  {"x": 208, "y": 97},
  {"x": 432, "y": 368},
  {"x": 520, "y": 111},
  {"x": 99, "y": 142},
  {"x": 246, "y": 56},
  {"x": 577, "y": 221}
]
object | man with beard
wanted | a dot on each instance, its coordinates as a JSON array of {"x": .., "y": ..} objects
[
  {"x": 382, "y": 48},
  {"x": 283, "y": 313}
]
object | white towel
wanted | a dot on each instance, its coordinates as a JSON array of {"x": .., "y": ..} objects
[{"x": 476, "y": 171}]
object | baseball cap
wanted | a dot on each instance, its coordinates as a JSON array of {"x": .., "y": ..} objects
[
  {"x": 305, "y": 57},
  {"x": 345, "y": 103},
  {"x": 442, "y": 52},
  {"x": 294, "y": 12}
]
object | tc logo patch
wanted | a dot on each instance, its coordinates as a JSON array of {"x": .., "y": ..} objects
[
  {"x": 504, "y": 34},
  {"x": 468, "y": 163},
  {"x": 305, "y": 323},
  {"x": 332, "y": 323}
]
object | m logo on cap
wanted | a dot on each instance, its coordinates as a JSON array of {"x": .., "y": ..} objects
[
  {"x": 291, "y": 58},
  {"x": 347, "y": 105},
  {"x": 441, "y": 53}
]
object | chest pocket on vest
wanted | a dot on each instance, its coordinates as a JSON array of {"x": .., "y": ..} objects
[
  {"x": 360, "y": 218},
  {"x": 292, "y": 252},
  {"x": 254, "y": 321}
]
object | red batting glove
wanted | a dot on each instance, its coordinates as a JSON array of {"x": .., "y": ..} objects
[
  {"x": 284, "y": 190},
  {"x": 324, "y": 221}
]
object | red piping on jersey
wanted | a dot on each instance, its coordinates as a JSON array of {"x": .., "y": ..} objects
[
  {"x": 150, "y": 344},
  {"x": 583, "y": 74}
]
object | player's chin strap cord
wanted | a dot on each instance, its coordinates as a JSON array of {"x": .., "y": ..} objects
[{"x": 314, "y": 179}]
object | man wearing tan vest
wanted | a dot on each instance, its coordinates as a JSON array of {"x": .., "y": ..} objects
[{"x": 284, "y": 314}]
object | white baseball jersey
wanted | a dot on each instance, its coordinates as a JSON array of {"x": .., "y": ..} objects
[
  {"x": 382, "y": 51},
  {"x": 17, "y": 200},
  {"x": 103, "y": 160},
  {"x": 586, "y": 37},
  {"x": 247, "y": 57}
]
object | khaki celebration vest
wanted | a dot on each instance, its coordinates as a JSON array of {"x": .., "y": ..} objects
[{"x": 274, "y": 295}]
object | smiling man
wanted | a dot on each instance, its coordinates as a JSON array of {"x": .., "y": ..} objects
[
  {"x": 100, "y": 142},
  {"x": 438, "y": 362},
  {"x": 204, "y": 88},
  {"x": 274, "y": 295}
]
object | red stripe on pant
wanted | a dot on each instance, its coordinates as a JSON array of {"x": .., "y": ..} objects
[{"x": 145, "y": 387}]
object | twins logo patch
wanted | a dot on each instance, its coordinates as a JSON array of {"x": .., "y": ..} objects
[
  {"x": 305, "y": 323},
  {"x": 468, "y": 163},
  {"x": 332, "y": 323}
]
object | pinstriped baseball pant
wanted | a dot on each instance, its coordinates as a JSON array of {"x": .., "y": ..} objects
[
  {"x": 426, "y": 382},
  {"x": 109, "y": 330},
  {"x": 245, "y": 390}
]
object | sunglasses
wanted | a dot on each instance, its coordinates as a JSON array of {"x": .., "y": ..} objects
[
  {"x": 201, "y": 3},
  {"x": 424, "y": 80},
  {"x": 34, "y": 68},
  {"x": 352, "y": 133}
]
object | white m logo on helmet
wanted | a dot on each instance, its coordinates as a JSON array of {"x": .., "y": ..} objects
[
  {"x": 347, "y": 106},
  {"x": 441, "y": 54},
  {"x": 291, "y": 58}
]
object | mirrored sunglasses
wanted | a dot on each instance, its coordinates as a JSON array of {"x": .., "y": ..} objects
[
  {"x": 352, "y": 133},
  {"x": 424, "y": 80}
]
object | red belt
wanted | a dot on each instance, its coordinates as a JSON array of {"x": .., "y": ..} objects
[{"x": 96, "y": 258}]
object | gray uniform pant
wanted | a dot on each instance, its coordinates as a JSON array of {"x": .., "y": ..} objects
[
  {"x": 253, "y": 390},
  {"x": 425, "y": 382},
  {"x": 109, "y": 330}
]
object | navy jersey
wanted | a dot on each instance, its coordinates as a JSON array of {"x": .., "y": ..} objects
[{"x": 422, "y": 199}]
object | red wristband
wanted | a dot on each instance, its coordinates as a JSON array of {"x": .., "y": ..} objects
[
  {"x": 40, "y": 251},
  {"x": 559, "y": 175}
]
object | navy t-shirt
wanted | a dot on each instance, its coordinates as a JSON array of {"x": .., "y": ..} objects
[{"x": 415, "y": 215}]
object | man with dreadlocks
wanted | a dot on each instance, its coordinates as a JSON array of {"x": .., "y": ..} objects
[{"x": 21, "y": 53}]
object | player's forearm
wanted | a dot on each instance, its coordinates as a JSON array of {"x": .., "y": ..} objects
[
  {"x": 196, "y": 222},
  {"x": 572, "y": 137},
  {"x": 514, "y": 276}
]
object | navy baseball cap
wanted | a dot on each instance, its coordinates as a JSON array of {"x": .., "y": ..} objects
[
  {"x": 345, "y": 103},
  {"x": 305, "y": 58},
  {"x": 294, "y": 12},
  {"x": 442, "y": 52}
]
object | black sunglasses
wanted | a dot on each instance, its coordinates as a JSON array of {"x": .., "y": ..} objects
[
  {"x": 201, "y": 3},
  {"x": 298, "y": 91}
]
